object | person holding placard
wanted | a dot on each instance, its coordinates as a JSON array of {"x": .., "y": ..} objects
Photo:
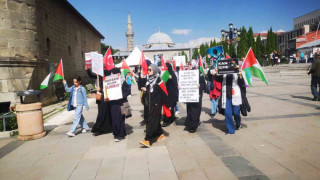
[
  {"x": 103, "y": 122},
  {"x": 155, "y": 97},
  {"x": 231, "y": 99},
  {"x": 118, "y": 119},
  {"x": 194, "y": 108}
]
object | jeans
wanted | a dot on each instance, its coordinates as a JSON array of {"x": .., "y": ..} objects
[
  {"x": 78, "y": 119},
  {"x": 235, "y": 111},
  {"x": 315, "y": 81},
  {"x": 214, "y": 106}
]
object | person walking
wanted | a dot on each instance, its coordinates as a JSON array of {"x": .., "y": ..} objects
[
  {"x": 215, "y": 92},
  {"x": 103, "y": 122},
  {"x": 128, "y": 81},
  {"x": 231, "y": 99},
  {"x": 172, "y": 88},
  {"x": 118, "y": 119},
  {"x": 194, "y": 109},
  {"x": 78, "y": 100},
  {"x": 315, "y": 77},
  {"x": 155, "y": 97}
]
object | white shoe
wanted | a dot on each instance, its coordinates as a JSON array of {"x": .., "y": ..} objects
[
  {"x": 84, "y": 130},
  {"x": 116, "y": 140},
  {"x": 129, "y": 96},
  {"x": 70, "y": 134},
  {"x": 177, "y": 113}
]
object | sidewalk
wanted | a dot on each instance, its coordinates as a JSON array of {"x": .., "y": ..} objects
[{"x": 279, "y": 140}]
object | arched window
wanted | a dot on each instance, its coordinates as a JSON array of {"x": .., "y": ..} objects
[
  {"x": 48, "y": 46},
  {"x": 69, "y": 50}
]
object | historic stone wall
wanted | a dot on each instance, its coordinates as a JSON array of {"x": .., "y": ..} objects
[{"x": 34, "y": 36}]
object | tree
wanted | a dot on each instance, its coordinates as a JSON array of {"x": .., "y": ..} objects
[
  {"x": 270, "y": 41},
  {"x": 203, "y": 50},
  {"x": 243, "y": 43},
  {"x": 195, "y": 54},
  {"x": 184, "y": 54},
  {"x": 251, "y": 42},
  {"x": 105, "y": 47},
  {"x": 259, "y": 48}
]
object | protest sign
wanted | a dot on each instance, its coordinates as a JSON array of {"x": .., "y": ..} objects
[
  {"x": 228, "y": 66},
  {"x": 112, "y": 87},
  {"x": 88, "y": 59},
  {"x": 188, "y": 86},
  {"x": 216, "y": 53},
  {"x": 97, "y": 63}
]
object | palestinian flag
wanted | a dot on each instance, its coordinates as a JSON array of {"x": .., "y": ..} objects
[
  {"x": 201, "y": 66},
  {"x": 165, "y": 110},
  {"x": 126, "y": 70},
  {"x": 164, "y": 71},
  {"x": 227, "y": 56},
  {"x": 45, "y": 82},
  {"x": 251, "y": 67},
  {"x": 59, "y": 72},
  {"x": 144, "y": 65}
]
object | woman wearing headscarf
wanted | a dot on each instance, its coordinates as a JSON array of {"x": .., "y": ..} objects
[
  {"x": 142, "y": 80},
  {"x": 103, "y": 122},
  {"x": 194, "y": 109},
  {"x": 155, "y": 97},
  {"x": 172, "y": 88},
  {"x": 118, "y": 119}
]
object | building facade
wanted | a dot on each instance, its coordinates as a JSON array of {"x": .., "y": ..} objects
[
  {"x": 34, "y": 36},
  {"x": 311, "y": 19}
]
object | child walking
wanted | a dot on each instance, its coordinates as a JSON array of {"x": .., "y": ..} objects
[{"x": 78, "y": 100}]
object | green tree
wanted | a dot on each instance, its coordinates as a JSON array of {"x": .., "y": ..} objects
[
  {"x": 184, "y": 54},
  {"x": 243, "y": 43},
  {"x": 270, "y": 41},
  {"x": 259, "y": 48},
  {"x": 203, "y": 50},
  {"x": 105, "y": 47},
  {"x": 251, "y": 42},
  {"x": 195, "y": 54}
]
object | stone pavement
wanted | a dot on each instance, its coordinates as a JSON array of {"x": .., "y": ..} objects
[{"x": 278, "y": 140}]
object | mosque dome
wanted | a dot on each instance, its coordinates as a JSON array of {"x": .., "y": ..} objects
[{"x": 159, "y": 39}]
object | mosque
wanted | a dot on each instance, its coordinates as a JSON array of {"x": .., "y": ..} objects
[{"x": 158, "y": 44}]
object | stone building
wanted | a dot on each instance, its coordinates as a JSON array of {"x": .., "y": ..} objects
[{"x": 34, "y": 36}]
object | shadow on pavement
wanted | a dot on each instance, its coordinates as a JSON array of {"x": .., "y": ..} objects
[{"x": 301, "y": 97}]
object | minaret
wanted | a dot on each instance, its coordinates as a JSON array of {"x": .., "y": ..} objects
[{"x": 129, "y": 35}]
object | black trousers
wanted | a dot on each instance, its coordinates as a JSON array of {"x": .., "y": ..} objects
[
  {"x": 118, "y": 119},
  {"x": 153, "y": 118},
  {"x": 103, "y": 121},
  {"x": 193, "y": 114},
  {"x": 172, "y": 117}
]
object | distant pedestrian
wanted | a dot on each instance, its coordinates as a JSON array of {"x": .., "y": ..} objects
[
  {"x": 315, "y": 77},
  {"x": 78, "y": 100},
  {"x": 128, "y": 81}
]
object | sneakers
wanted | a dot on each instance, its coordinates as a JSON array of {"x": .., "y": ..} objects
[
  {"x": 177, "y": 113},
  {"x": 237, "y": 128},
  {"x": 129, "y": 96},
  {"x": 70, "y": 134},
  {"x": 165, "y": 124},
  {"x": 84, "y": 130},
  {"x": 314, "y": 99},
  {"x": 118, "y": 139},
  {"x": 145, "y": 143},
  {"x": 161, "y": 137}
]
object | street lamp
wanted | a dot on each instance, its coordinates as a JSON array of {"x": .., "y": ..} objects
[{"x": 232, "y": 36}]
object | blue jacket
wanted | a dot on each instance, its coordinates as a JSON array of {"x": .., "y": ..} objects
[{"x": 81, "y": 97}]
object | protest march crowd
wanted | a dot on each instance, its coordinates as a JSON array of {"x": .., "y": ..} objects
[{"x": 161, "y": 88}]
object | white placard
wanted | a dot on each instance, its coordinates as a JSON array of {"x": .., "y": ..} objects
[
  {"x": 97, "y": 63},
  {"x": 179, "y": 59},
  {"x": 112, "y": 87},
  {"x": 188, "y": 86}
]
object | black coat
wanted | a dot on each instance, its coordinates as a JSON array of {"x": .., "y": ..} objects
[{"x": 172, "y": 87}]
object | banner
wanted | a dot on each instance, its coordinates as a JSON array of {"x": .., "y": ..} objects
[
  {"x": 157, "y": 59},
  {"x": 228, "y": 66},
  {"x": 88, "y": 59},
  {"x": 112, "y": 87},
  {"x": 188, "y": 86},
  {"x": 215, "y": 53},
  {"x": 97, "y": 63},
  {"x": 180, "y": 59}
]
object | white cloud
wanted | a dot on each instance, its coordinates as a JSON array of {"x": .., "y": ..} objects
[
  {"x": 196, "y": 42},
  {"x": 281, "y": 30},
  {"x": 263, "y": 32},
  {"x": 181, "y": 31}
]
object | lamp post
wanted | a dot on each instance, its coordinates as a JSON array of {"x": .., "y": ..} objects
[{"x": 233, "y": 35}]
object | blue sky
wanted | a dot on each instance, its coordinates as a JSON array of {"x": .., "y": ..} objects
[{"x": 198, "y": 20}]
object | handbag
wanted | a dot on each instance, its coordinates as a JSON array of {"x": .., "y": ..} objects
[{"x": 126, "y": 109}]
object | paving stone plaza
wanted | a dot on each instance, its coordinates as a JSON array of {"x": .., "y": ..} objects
[{"x": 279, "y": 139}]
